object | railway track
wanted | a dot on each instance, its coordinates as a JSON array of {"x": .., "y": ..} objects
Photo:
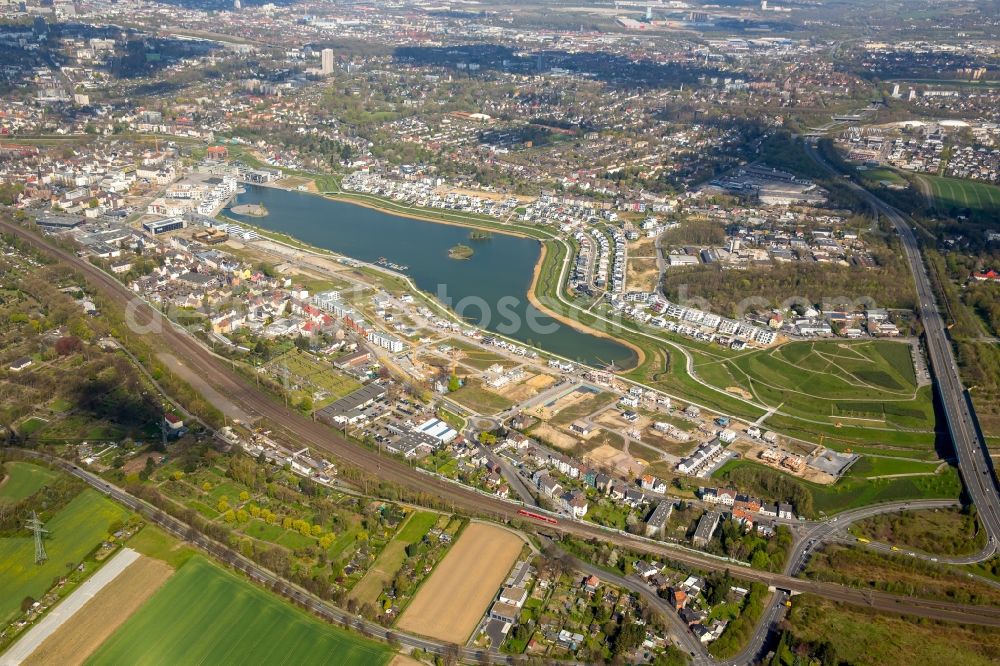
[{"x": 318, "y": 436}]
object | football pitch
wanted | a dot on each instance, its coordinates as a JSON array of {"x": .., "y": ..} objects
[{"x": 206, "y": 615}]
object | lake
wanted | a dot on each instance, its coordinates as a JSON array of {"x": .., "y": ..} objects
[{"x": 488, "y": 290}]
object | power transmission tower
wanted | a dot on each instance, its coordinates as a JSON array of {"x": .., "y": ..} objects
[{"x": 35, "y": 526}]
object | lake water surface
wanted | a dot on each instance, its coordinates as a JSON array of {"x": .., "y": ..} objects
[{"x": 488, "y": 290}]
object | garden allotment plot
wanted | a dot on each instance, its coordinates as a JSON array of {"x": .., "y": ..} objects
[{"x": 867, "y": 383}]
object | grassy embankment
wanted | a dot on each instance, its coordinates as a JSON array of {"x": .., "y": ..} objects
[{"x": 869, "y": 638}]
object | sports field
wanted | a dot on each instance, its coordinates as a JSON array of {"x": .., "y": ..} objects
[
  {"x": 23, "y": 480},
  {"x": 206, "y": 615},
  {"x": 957, "y": 193},
  {"x": 864, "y": 383},
  {"x": 452, "y": 601},
  {"x": 385, "y": 567},
  {"x": 73, "y": 532}
]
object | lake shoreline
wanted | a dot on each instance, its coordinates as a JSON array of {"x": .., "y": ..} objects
[
  {"x": 573, "y": 323},
  {"x": 428, "y": 217}
]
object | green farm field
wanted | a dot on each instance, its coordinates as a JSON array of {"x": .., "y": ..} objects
[
  {"x": 23, "y": 480},
  {"x": 247, "y": 626},
  {"x": 73, "y": 532},
  {"x": 956, "y": 193},
  {"x": 385, "y": 567}
]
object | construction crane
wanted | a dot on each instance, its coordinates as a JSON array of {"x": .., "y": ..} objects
[{"x": 35, "y": 526}]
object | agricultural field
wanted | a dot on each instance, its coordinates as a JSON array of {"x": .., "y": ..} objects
[
  {"x": 451, "y": 602},
  {"x": 248, "y": 625},
  {"x": 869, "y": 638},
  {"x": 956, "y": 194},
  {"x": 102, "y": 614},
  {"x": 22, "y": 480},
  {"x": 76, "y": 530}
]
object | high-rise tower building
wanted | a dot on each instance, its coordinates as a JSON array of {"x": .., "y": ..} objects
[{"x": 326, "y": 61}]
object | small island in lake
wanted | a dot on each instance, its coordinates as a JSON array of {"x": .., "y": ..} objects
[
  {"x": 460, "y": 252},
  {"x": 253, "y": 210}
]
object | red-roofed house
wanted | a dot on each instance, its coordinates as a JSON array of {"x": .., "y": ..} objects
[{"x": 986, "y": 276}]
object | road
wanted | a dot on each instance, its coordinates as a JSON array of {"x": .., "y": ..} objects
[
  {"x": 974, "y": 462},
  {"x": 318, "y": 436},
  {"x": 688, "y": 642},
  {"x": 819, "y": 533},
  {"x": 67, "y": 608},
  {"x": 263, "y": 576}
]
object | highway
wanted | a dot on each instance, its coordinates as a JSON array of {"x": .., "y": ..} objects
[
  {"x": 309, "y": 433},
  {"x": 974, "y": 463}
]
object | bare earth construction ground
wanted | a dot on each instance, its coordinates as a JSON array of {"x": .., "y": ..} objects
[{"x": 452, "y": 601}]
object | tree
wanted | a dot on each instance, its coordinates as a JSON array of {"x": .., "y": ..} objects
[
  {"x": 69, "y": 344},
  {"x": 147, "y": 470},
  {"x": 628, "y": 638},
  {"x": 717, "y": 587},
  {"x": 454, "y": 383}
]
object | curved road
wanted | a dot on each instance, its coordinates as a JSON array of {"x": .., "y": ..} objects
[
  {"x": 974, "y": 462},
  {"x": 316, "y": 435}
]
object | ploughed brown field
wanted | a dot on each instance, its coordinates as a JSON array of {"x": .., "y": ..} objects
[{"x": 452, "y": 601}]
